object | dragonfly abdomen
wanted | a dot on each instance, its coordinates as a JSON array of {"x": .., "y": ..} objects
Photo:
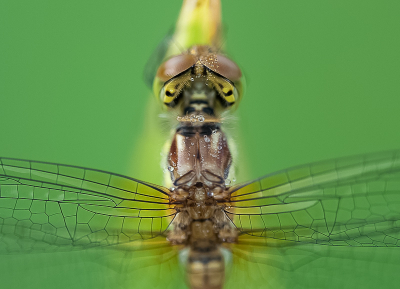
[
  {"x": 205, "y": 267},
  {"x": 204, "y": 258}
]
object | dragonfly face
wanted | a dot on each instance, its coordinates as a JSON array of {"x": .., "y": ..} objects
[{"x": 201, "y": 73}]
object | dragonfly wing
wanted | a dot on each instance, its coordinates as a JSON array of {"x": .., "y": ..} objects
[
  {"x": 351, "y": 201},
  {"x": 157, "y": 57},
  {"x": 45, "y": 206}
]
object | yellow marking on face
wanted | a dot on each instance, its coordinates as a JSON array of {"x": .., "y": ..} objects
[
  {"x": 174, "y": 87},
  {"x": 224, "y": 87}
]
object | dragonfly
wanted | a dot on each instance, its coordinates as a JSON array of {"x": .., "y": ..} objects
[{"x": 342, "y": 202}]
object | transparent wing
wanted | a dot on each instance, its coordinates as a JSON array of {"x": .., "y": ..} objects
[
  {"x": 351, "y": 201},
  {"x": 157, "y": 57},
  {"x": 45, "y": 206}
]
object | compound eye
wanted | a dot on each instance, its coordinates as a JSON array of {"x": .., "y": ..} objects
[
  {"x": 223, "y": 66},
  {"x": 174, "y": 66}
]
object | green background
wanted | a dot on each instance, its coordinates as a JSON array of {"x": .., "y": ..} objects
[{"x": 323, "y": 82}]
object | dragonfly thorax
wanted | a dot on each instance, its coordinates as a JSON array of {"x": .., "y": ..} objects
[
  {"x": 199, "y": 154},
  {"x": 199, "y": 195}
]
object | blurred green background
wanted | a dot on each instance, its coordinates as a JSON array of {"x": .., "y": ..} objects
[{"x": 323, "y": 82}]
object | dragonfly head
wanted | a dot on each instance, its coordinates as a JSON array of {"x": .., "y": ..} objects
[{"x": 200, "y": 64}]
